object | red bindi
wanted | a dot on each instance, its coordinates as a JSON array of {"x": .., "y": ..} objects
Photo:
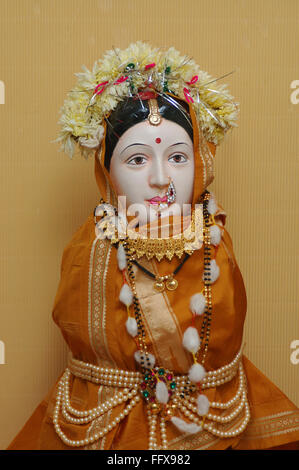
[{"x": 158, "y": 140}]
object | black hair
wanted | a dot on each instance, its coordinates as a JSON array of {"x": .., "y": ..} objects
[{"x": 134, "y": 110}]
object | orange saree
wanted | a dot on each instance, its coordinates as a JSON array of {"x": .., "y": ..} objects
[{"x": 92, "y": 320}]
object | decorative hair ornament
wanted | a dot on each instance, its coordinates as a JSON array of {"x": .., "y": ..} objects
[
  {"x": 154, "y": 116},
  {"x": 129, "y": 72}
]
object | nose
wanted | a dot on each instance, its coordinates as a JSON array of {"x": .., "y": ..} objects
[{"x": 158, "y": 175}]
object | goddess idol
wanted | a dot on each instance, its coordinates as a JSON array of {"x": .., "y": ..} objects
[{"x": 151, "y": 301}]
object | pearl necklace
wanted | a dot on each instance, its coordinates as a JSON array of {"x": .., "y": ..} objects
[
  {"x": 129, "y": 382},
  {"x": 188, "y": 408},
  {"x": 62, "y": 399}
]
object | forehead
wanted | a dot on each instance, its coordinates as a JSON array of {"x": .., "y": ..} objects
[{"x": 145, "y": 133}]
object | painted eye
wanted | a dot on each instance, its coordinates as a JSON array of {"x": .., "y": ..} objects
[
  {"x": 178, "y": 158},
  {"x": 137, "y": 159}
]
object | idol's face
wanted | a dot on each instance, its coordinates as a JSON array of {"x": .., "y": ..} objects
[{"x": 145, "y": 160}]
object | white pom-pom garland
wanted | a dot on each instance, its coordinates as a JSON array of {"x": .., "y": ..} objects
[
  {"x": 148, "y": 359},
  {"x": 198, "y": 304},
  {"x": 190, "y": 428},
  {"x": 203, "y": 405},
  {"x": 126, "y": 295},
  {"x": 196, "y": 373},
  {"x": 212, "y": 206},
  {"x": 214, "y": 272},
  {"x": 121, "y": 257},
  {"x": 131, "y": 326},
  {"x": 215, "y": 234},
  {"x": 162, "y": 392},
  {"x": 191, "y": 340}
]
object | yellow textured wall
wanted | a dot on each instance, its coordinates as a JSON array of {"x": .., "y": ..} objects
[{"x": 45, "y": 196}]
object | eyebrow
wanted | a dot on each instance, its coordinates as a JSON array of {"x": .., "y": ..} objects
[
  {"x": 131, "y": 145},
  {"x": 179, "y": 143}
]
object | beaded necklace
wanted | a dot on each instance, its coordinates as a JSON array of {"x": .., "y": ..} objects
[{"x": 158, "y": 385}]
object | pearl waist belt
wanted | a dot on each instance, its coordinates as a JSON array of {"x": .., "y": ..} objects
[
  {"x": 230, "y": 422},
  {"x": 123, "y": 378}
]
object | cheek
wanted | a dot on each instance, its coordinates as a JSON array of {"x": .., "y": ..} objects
[
  {"x": 184, "y": 183},
  {"x": 126, "y": 183},
  {"x": 185, "y": 176},
  {"x": 118, "y": 177},
  {"x": 115, "y": 181}
]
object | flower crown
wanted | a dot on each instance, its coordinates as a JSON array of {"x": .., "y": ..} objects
[{"x": 125, "y": 73}]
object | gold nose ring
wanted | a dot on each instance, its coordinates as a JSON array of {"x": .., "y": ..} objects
[{"x": 171, "y": 192}]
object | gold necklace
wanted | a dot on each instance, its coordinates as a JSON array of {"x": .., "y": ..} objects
[{"x": 139, "y": 244}]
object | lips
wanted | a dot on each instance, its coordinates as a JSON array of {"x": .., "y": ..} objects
[{"x": 157, "y": 199}]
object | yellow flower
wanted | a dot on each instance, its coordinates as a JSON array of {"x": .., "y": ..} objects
[{"x": 81, "y": 118}]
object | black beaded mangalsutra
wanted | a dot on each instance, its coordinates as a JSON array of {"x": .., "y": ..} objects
[
  {"x": 206, "y": 324},
  {"x": 171, "y": 283}
]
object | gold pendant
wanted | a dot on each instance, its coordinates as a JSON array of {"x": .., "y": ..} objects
[
  {"x": 168, "y": 281},
  {"x": 171, "y": 283},
  {"x": 159, "y": 285}
]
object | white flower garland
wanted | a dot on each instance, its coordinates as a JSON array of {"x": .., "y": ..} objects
[{"x": 123, "y": 73}]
